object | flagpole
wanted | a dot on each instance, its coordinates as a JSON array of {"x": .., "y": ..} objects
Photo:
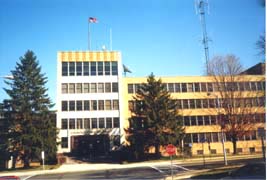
[
  {"x": 110, "y": 39},
  {"x": 89, "y": 40}
]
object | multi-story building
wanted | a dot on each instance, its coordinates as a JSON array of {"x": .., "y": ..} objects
[{"x": 94, "y": 103}]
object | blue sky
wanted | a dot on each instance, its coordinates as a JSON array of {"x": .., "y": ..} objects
[{"x": 159, "y": 36}]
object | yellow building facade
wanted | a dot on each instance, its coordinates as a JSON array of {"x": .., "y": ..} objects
[{"x": 200, "y": 116}]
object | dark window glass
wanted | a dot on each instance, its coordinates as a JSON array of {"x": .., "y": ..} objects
[
  {"x": 202, "y": 138},
  {"x": 71, "y": 105},
  {"x": 107, "y": 87},
  {"x": 108, "y": 122},
  {"x": 114, "y": 87},
  {"x": 215, "y": 137},
  {"x": 210, "y": 88},
  {"x": 79, "y": 123},
  {"x": 86, "y": 68},
  {"x": 100, "y": 68},
  {"x": 71, "y": 68},
  {"x": 64, "y": 142},
  {"x": 137, "y": 87},
  {"x": 184, "y": 89},
  {"x": 93, "y": 68},
  {"x": 78, "y": 69},
  {"x": 114, "y": 68},
  {"x": 64, "y": 105},
  {"x": 64, "y": 123},
  {"x": 259, "y": 86},
  {"x": 86, "y": 123},
  {"x": 94, "y": 123},
  {"x": 177, "y": 87},
  {"x": 130, "y": 88},
  {"x": 79, "y": 105},
  {"x": 187, "y": 121},
  {"x": 116, "y": 122},
  {"x": 197, "y": 87},
  {"x": 203, "y": 87},
  {"x": 213, "y": 120},
  {"x": 198, "y": 103},
  {"x": 192, "y": 103},
  {"x": 64, "y": 69},
  {"x": 207, "y": 120},
  {"x": 205, "y": 103},
  {"x": 101, "y": 123},
  {"x": 188, "y": 138},
  {"x": 185, "y": 104},
  {"x": 211, "y": 103},
  {"x": 195, "y": 137},
  {"x": 190, "y": 87},
  {"x": 253, "y": 86},
  {"x": 72, "y": 123},
  {"x": 247, "y": 86},
  {"x": 171, "y": 87},
  {"x": 179, "y": 104},
  {"x": 86, "y": 105},
  {"x": 94, "y": 105},
  {"x": 100, "y": 104},
  {"x": 193, "y": 121},
  {"x": 241, "y": 86},
  {"x": 200, "y": 120},
  {"x": 108, "y": 105},
  {"x": 107, "y": 68}
]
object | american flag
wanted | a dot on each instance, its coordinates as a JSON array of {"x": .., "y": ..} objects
[{"x": 92, "y": 20}]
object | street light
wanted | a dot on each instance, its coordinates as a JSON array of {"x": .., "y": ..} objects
[{"x": 222, "y": 133}]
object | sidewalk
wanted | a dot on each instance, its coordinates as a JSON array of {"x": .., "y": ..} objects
[{"x": 66, "y": 168}]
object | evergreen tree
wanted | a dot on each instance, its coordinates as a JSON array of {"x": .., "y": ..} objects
[
  {"x": 155, "y": 117},
  {"x": 32, "y": 129}
]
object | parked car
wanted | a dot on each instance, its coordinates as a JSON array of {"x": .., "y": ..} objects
[{"x": 9, "y": 178}]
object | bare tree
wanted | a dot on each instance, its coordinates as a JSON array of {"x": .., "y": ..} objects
[{"x": 238, "y": 104}]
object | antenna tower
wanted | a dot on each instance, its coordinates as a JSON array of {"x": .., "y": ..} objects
[{"x": 200, "y": 6}]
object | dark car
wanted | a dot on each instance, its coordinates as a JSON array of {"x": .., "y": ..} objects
[{"x": 9, "y": 178}]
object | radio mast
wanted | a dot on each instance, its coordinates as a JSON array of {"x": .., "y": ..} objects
[{"x": 200, "y": 6}]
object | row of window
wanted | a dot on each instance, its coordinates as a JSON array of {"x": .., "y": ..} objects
[
  {"x": 210, "y": 103},
  {"x": 205, "y": 87},
  {"x": 72, "y": 88},
  {"x": 213, "y": 120},
  {"x": 90, "y": 123},
  {"x": 90, "y": 105},
  {"x": 99, "y": 68},
  {"x": 216, "y": 137}
]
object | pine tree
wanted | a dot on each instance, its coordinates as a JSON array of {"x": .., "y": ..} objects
[
  {"x": 155, "y": 118},
  {"x": 32, "y": 129}
]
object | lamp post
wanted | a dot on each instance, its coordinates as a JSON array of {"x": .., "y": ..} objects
[{"x": 222, "y": 133}]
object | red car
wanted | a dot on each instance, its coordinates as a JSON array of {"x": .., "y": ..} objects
[{"x": 9, "y": 178}]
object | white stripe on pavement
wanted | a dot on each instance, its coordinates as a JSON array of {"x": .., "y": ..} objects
[
  {"x": 28, "y": 177},
  {"x": 181, "y": 167},
  {"x": 157, "y": 169}
]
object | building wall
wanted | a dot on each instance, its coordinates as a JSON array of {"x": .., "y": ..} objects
[{"x": 213, "y": 130}]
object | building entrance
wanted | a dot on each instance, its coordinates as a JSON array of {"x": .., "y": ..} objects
[{"x": 90, "y": 145}]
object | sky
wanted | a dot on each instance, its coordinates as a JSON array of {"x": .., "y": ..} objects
[{"x": 159, "y": 36}]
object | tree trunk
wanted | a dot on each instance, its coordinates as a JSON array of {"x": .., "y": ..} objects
[
  {"x": 157, "y": 152},
  {"x": 26, "y": 161},
  {"x": 234, "y": 140}
]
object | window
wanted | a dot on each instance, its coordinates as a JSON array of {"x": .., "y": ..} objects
[
  {"x": 115, "y": 105},
  {"x": 100, "y": 104},
  {"x": 185, "y": 104},
  {"x": 64, "y": 105},
  {"x": 130, "y": 89},
  {"x": 78, "y": 69},
  {"x": 195, "y": 137},
  {"x": 171, "y": 87},
  {"x": 197, "y": 87},
  {"x": 64, "y": 123},
  {"x": 192, "y": 103},
  {"x": 94, "y": 123},
  {"x": 259, "y": 86},
  {"x": 199, "y": 152},
  {"x": 215, "y": 137},
  {"x": 213, "y": 151},
  {"x": 79, "y": 105},
  {"x": 202, "y": 138},
  {"x": 107, "y": 68},
  {"x": 200, "y": 121},
  {"x": 93, "y": 68},
  {"x": 86, "y": 68},
  {"x": 93, "y": 88},
  {"x": 114, "y": 68},
  {"x": 71, "y": 88},
  {"x": 86, "y": 105},
  {"x": 79, "y": 124},
  {"x": 190, "y": 87},
  {"x": 101, "y": 123},
  {"x": 203, "y": 87},
  {"x": 213, "y": 120},
  {"x": 71, "y": 105},
  {"x": 253, "y": 86},
  {"x": 206, "y": 120},
  {"x": 210, "y": 88},
  {"x": 79, "y": 88},
  {"x": 107, "y": 87},
  {"x": 114, "y": 87},
  {"x": 205, "y": 103},
  {"x": 94, "y": 105},
  {"x": 108, "y": 105},
  {"x": 179, "y": 104},
  {"x": 184, "y": 89},
  {"x": 186, "y": 121},
  {"x": 198, "y": 103},
  {"x": 64, "y": 69},
  {"x": 193, "y": 121},
  {"x": 72, "y": 124},
  {"x": 211, "y": 103},
  {"x": 64, "y": 142},
  {"x": 108, "y": 122},
  {"x": 86, "y": 88},
  {"x": 86, "y": 123},
  {"x": 71, "y": 68},
  {"x": 177, "y": 87},
  {"x": 116, "y": 122},
  {"x": 247, "y": 86},
  {"x": 241, "y": 86},
  {"x": 100, "y": 87},
  {"x": 100, "y": 68},
  {"x": 137, "y": 87},
  {"x": 64, "y": 88},
  {"x": 188, "y": 138}
]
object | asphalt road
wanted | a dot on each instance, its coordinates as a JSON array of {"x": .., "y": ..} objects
[{"x": 149, "y": 172}]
